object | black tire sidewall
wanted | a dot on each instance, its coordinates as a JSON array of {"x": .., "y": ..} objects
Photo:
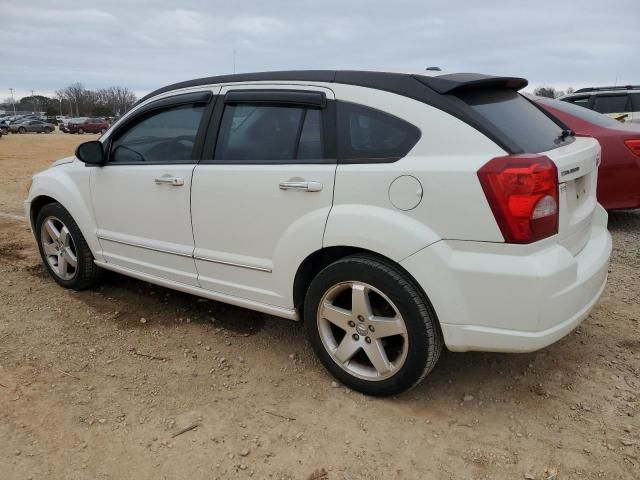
[
  {"x": 57, "y": 210},
  {"x": 403, "y": 295}
]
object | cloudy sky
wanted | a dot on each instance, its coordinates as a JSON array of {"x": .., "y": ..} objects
[{"x": 147, "y": 44}]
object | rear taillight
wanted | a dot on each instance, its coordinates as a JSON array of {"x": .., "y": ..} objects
[
  {"x": 634, "y": 146},
  {"x": 522, "y": 191}
]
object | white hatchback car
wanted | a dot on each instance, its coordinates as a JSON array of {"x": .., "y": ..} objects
[{"x": 393, "y": 213}]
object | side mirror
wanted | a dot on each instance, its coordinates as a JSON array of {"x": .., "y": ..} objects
[{"x": 91, "y": 153}]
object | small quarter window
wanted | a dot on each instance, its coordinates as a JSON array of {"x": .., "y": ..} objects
[
  {"x": 369, "y": 135},
  {"x": 162, "y": 136}
]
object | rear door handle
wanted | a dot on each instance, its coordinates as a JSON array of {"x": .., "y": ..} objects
[
  {"x": 169, "y": 180},
  {"x": 304, "y": 186}
]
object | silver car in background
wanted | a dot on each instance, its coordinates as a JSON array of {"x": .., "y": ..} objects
[{"x": 37, "y": 126}]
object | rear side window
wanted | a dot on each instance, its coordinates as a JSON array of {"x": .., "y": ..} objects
[
  {"x": 517, "y": 118},
  {"x": 611, "y": 103},
  {"x": 635, "y": 100},
  {"x": 367, "y": 135},
  {"x": 162, "y": 136},
  {"x": 580, "y": 101},
  {"x": 259, "y": 133}
]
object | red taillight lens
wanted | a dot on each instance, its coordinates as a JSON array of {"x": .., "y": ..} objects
[
  {"x": 522, "y": 191},
  {"x": 634, "y": 146}
]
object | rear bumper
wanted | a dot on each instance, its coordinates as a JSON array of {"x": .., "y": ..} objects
[{"x": 512, "y": 298}]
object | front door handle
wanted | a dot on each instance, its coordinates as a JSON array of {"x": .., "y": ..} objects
[
  {"x": 169, "y": 180},
  {"x": 304, "y": 186}
]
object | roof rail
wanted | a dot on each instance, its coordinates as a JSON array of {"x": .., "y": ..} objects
[{"x": 603, "y": 89}]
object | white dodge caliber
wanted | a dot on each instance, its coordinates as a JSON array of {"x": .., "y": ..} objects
[{"x": 392, "y": 213}]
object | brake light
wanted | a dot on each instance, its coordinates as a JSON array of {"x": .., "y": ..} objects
[
  {"x": 522, "y": 191},
  {"x": 634, "y": 146}
]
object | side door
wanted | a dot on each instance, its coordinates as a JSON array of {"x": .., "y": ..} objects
[
  {"x": 263, "y": 191},
  {"x": 141, "y": 197},
  {"x": 34, "y": 126}
]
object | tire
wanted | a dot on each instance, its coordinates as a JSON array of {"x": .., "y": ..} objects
[
  {"x": 47, "y": 130},
  {"x": 103, "y": 131},
  {"x": 80, "y": 131},
  {"x": 410, "y": 339},
  {"x": 22, "y": 130},
  {"x": 65, "y": 246}
]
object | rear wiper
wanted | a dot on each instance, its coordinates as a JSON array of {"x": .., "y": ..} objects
[{"x": 567, "y": 132}]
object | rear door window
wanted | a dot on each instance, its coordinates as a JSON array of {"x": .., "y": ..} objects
[
  {"x": 611, "y": 103},
  {"x": 517, "y": 118},
  {"x": 368, "y": 135},
  {"x": 263, "y": 133}
]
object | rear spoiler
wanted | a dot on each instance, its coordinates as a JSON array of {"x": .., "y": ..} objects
[{"x": 456, "y": 82}]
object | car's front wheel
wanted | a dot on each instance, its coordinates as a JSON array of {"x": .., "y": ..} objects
[
  {"x": 63, "y": 249},
  {"x": 81, "y": 131},
  {"x": 371, "y": 326},
  {"x": 22, "y": 130},
  {"x": 47, "y": 130}
]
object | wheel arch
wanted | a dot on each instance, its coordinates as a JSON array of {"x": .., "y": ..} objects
[
  {"x": 320, "y": 259},
  {"x": 70, "y": 188}
]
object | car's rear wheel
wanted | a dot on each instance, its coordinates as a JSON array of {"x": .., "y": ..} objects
[
  {"x": 80, "y": 131},
  {"x": 47, "y": 130},
  {"x": 371, "y": 326},
  {"x": 63, "y": 249},
  {"x": 22, "y": 130},
  {"x": 103, "y": 131}
]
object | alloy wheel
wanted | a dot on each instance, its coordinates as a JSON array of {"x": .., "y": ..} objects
[
  {"x": 362, "y": 330},
  {"x": 59, "y": 248}
]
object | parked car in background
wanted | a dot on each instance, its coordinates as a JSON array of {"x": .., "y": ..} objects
[
  {"x": 36, "y": 126},
  {"x": 64, "y": 126},
  {"x": 392, "y": 213},
  {"x": 621, "y": 103},
  {"x": 89, "y": 125},
  {"x": 619, "y": 171}
]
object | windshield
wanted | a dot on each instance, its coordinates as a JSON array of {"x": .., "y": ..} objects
[{"x": 582, "y": 113}]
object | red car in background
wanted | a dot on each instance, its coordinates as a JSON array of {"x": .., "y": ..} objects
[
  {"x": 619, "y": 172},
  {"x": 89, "y": 125}
]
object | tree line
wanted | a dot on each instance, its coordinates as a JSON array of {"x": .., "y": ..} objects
[
  {"x": 551, "y": 92},
  {"x": 77, "y": 101}
]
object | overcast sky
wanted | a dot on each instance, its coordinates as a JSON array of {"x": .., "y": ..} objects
[{"x": 147, "y": 44}]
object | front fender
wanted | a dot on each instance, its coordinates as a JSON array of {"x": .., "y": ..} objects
[
  {"x": 68, "y": 184},
  {"x": 385, "y": 231}
]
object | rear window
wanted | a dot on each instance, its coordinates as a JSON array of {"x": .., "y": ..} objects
[
  {"x": 581, "y": 113},
  {"x": 517, "y": 118}
]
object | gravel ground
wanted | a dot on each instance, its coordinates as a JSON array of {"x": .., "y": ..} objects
[{"x": 105, "y": 383}]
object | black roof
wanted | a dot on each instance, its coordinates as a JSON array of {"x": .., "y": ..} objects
[
  {"x": 431, "y": 90},
  {"x": 407, "y": 84}
]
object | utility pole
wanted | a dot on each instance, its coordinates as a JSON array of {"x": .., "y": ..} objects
[{"x": 13, "y": 102}]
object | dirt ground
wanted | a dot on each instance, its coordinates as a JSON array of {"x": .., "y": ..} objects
[{"x": 100, "y": 384}]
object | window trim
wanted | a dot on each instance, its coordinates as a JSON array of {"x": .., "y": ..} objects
[
  {"x": 328, "y": 122},
  {"x": 167, "y": 103}
]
